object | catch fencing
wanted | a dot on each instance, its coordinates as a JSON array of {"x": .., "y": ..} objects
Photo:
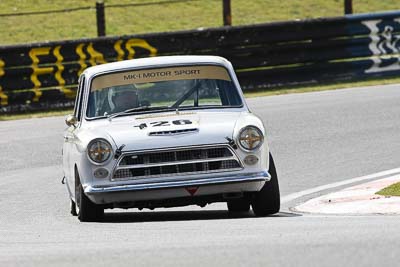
[{"x": 353, "y": 47}]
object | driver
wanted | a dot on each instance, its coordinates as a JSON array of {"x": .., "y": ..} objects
[{"x": 122, "y": 98}]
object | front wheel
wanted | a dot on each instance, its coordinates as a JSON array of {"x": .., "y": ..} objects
[
  {"x": 86, "y": 210},
  {"x": 267, "y": 200}
]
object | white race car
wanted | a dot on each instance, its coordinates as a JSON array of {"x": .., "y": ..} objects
[{"x": 166, "y": 132}]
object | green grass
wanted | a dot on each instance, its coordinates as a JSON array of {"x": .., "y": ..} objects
[
  {"x": 161, "y": 18},
  {"x": 393, "y": 190}
]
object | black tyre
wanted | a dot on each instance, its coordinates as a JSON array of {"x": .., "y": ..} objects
[
  {"x": 86, "y": 210},
  {"x": 267, "y": 201},
  {"x": 73, "y": 208},
  {"x": 238, "y": 205}
]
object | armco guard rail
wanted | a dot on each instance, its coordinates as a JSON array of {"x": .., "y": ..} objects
[{"x": 44, "y": 75}]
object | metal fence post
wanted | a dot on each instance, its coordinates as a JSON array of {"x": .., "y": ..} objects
[
  {"x": 348, "y": 7},
  {"x": 101, "y": 20},
  {"x": 227, "y": 12}
]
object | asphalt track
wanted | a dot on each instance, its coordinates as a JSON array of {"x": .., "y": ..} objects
[{"x": 316, "y": 138}]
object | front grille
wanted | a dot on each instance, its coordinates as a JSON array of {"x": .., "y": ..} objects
[{"x": 177, "y": 162}]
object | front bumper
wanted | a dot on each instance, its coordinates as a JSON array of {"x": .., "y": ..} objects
[{"x": 226, "y": 183}]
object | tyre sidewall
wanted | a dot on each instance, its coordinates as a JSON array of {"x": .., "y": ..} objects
[{"x": 267, "y": 200}]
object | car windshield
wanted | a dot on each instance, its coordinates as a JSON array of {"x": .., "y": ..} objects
[{"x": 190, "y": 87}]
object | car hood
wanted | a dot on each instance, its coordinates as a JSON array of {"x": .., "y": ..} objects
[{"x": 171, "y": 130}]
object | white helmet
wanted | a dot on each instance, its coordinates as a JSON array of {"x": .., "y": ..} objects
[{"x": 117, "y": 90}]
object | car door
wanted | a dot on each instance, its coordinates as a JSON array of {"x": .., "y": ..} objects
[{"x": 70, "y": 138}]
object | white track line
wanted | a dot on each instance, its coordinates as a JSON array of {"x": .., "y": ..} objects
[{"x": 303, "y": 193}]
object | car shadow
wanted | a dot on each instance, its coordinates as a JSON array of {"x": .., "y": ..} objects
[{"x": 162, "y": 216}]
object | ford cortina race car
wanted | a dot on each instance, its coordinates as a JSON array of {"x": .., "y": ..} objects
[{"x": 166, "y": 132}]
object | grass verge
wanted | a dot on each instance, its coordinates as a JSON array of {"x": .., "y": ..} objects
[
  {"x": 159, "y": 17},
  {"x": 392, "y": 190}
]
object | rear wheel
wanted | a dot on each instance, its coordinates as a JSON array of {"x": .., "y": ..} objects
[
  {"x": 86, "y": 210},
  {"x": 267, "y": 201},
  {"x": 238, "y": 205}
]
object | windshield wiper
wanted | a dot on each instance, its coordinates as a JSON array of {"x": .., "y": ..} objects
[{"x": 141, "y": 108}]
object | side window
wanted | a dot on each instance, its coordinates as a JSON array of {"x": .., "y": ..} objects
[{"x": 78, "y": 100}]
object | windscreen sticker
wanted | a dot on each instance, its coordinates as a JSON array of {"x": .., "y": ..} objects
[{"x": 158, "y": 75}]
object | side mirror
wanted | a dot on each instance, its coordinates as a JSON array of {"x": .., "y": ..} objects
[{"x": 71, "y": 120}]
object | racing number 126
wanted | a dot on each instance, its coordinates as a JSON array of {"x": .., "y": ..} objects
[{"x": 165, "y": 123}]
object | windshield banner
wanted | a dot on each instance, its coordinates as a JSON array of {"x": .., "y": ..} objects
[{"x": 159, "y": 75}]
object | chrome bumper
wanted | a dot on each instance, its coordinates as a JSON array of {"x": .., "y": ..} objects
[
  {"x": 218, "y": 184},
  {"x": 248, "y": 177}
]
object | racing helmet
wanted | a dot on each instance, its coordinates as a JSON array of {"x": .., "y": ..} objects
[{"x": 121, "y": 90}]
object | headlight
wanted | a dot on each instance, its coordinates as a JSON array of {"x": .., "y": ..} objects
[
  {"x": 250, "y": 138},
  {"x": 99, "y": 150}
]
